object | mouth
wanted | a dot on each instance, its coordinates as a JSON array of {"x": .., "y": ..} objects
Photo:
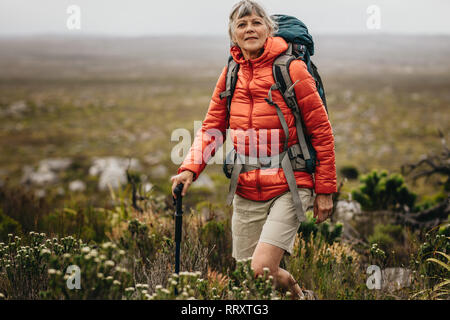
[{"x": 251, "y": 38}]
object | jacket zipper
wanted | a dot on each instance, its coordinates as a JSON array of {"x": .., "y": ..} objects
[
  {"x": 251, "y": 124},
  {"x": 250, "y": 94}
]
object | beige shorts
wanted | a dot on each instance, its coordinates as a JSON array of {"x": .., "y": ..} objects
[{"x": 273, "y": 221}]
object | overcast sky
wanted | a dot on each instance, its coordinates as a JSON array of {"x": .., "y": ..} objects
[{"x": 210, "y": 17}]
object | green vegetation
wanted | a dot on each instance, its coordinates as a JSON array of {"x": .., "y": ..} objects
[
  {"x": 127, "y": 106},
  {"x": 382, "y": 192}
]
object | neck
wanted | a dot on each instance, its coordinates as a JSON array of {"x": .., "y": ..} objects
[{"x": 250, "y": 55}]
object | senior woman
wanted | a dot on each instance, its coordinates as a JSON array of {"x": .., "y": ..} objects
[{"x": 264, "y": 220}]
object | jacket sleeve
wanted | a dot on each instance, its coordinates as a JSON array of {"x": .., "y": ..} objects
[
  {"x": 317, "y": 126},
  {"x": 216, "y": 118}
]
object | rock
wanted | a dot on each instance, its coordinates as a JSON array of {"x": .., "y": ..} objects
[
  {"x": 395, "y": 278},
  {"x": 113, "y": 176},
  {"x": 77, "y": 186},
  {"x": 204, "y": 181},
  {"x": 112, "y": 170},
  {"x": 17, "y": 108},
  {"x": 154, "y": 158},
  {"x": 54, "y": 164},
  {"x": 148, "y": 187},
  {"x": 101, "y": 164},
  {"x": 42, "y": 177},
  {"x": 346, "y": 209},
  {"x": 159, "y": 172},
  {"x": 46, "y": 173}
]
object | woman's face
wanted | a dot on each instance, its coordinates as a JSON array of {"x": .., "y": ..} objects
[{"x": 250, "y": 34}]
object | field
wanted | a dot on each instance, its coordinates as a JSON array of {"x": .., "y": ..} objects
[{"x": 87, "y": 98}]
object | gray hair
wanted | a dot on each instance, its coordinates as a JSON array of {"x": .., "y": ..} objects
[{"x": 245, "y": 8}]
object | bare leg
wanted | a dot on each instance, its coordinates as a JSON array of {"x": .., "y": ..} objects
[{"x": 268, "y": 255}]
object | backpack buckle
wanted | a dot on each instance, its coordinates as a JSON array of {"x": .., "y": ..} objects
[{"x": 225, "y": 94}]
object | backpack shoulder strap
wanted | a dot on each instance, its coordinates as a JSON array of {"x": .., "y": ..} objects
[
  {"x": 230, "y": 83},
  {"x": 284, "y": 82}
]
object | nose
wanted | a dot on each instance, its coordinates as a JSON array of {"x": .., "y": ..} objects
[{"x": 250, "y": 28}]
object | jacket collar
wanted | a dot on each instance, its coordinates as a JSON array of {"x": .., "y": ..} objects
[{"x": 273, "y": 47}]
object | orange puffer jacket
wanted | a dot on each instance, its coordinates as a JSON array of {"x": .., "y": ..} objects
[{"x": 249, "y": 110}]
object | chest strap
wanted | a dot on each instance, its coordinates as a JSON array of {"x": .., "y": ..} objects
[{"x": 288, "y": 160}]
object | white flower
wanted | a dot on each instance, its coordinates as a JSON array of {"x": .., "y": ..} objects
[
  {"x": 109, "y": 263},
  {"x": 51, "y": 271},
  {"x": 85, "y": 250},
  {"x": 100, "y": 275},
  {"x": 122, "y": 252},
  {"x": 129, "y": 289},
  {"x": 45, "y": 252},
  {"x": 116, "y": 282},
  {"x": 158, "y": 287},
  {"x": 106, "y": 245}
]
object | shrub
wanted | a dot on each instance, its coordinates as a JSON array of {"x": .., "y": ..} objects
[
  {"x": 386, "y": 235},
  {"x": 350, "y": 172},
  {"x": 35, "y": 268},
  {"x": 378, "y": 191},
  {"x": 309, "y": 229},
  {"x": 7, "y": 226},
  {"x": 331, "y": 271},
  {"x": 242, "y": 284},
  {"x": 21, "y": 205},
  {"x": 431, "y": 265}
]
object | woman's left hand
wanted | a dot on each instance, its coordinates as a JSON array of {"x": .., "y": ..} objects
[{"x": 323, "y": 207}]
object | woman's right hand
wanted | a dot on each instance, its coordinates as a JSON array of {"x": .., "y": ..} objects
[{"x": 185, "y": 178}]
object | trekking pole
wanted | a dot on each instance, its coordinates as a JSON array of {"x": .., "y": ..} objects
[{"x": 178, "y": 225}]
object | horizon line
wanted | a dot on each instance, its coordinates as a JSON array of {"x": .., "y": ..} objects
[{"x": 187, "y": 35}]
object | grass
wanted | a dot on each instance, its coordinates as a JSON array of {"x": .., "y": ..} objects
[{"x": 382, "y": 117}]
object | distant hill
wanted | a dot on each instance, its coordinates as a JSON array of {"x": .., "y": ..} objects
[{"x": 108, "y": 58}]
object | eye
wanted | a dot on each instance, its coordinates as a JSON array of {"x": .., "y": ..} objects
[{"x": 240, "y": 25}]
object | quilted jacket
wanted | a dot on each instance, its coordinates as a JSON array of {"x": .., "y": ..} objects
[{"x": 249, "y": 111}]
